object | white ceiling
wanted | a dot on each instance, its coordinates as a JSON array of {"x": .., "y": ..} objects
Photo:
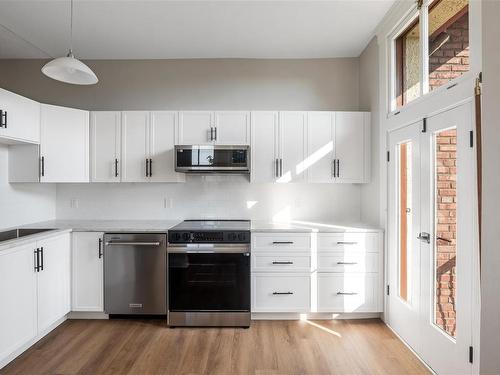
[{"x": 158, "y": 29}]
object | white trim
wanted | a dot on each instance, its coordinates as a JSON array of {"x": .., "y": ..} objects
[
  {"x": 87, "y": 315},
  {"x": 313, "y": 316}
]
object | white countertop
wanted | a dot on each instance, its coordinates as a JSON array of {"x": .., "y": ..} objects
[
  {"x": 64, "y": 226},
  {"x": 107, "y": 225},
  {"x": 311, "y": 227}
]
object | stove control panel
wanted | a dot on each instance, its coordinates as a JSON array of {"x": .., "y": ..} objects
[{"x": 179, "y": 236}]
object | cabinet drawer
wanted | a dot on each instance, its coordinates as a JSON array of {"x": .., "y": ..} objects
[
  {"x": 348, "y": 292},
  {"x": 280, "y": 292},
  {"x": 281, "y": 263},
  {"x": 369, "y": 242},
  {"x": 347, "y": 261},
  {"x": 281, "y": 241}
]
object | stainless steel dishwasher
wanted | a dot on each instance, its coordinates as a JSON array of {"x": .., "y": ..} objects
[{"x": 135, "y": 273}]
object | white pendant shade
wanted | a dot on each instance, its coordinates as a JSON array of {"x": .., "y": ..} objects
[{"x": 69, "y": 70}]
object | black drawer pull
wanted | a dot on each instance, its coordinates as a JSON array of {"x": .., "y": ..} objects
[
  {"x": 346, "y": 243},
  {"x": 346, "y": 293},
  {"x": 347, "y": 263},
  {"x": 282, "y": 293},
  {"x": 100, "y": 248},
  {"x": 287, "y": 262},
  {"x": 3, "y": 119},
  {"x": 282, "y": 242},
  {"x": 41, "y": 253},
  {"x": 116, "y": 167}
]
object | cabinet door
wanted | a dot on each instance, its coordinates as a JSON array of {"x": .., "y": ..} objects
[
  {"x": 87, "y": 276},
  {"x": 20, "y": 117},
  {"x": 105, "y": 146},
  {"x": 162, "y": 138},
  {"x": 64, "y": 144},
  {"x": 18, "y": 299},
  {"x": 320, "y": 147},
  {"x": 232, "y": 128},
  {"x": 352, "y": 146},
  {"x": 196, "y": 128},
  {"x": 53, "y": 280},
  {"x": 264, "y": 149},
  {"x": 135, "y": 146},
  {"x": 292, "y": 146}
]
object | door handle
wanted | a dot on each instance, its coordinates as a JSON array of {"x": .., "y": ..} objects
[
  {"x": 116, "y": 167},
  {"x": 147, "y": 167},
  {"x": 37, "y": 259},
  {"x": 3, "y": 119},
  {"x": 43, "y": 166},
  {"x": 334, "y": 168},
  {"x": 100, "y": 248},
  {"x": 216, "y": 133},
  {"x": 424, "y": 237},
  {"x": 281, "y": 167},
  {"x": 211, "y": 133},
  {"x": 150, "y": 167},
  {"x": 132, "y": 243},
  {"x": 276, "y": 172},
  {"x": 338, "y": 167},
  {"x": 41, "y": 256}
]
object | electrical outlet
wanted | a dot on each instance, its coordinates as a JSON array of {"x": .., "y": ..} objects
[{"x": 74, "y": 203}]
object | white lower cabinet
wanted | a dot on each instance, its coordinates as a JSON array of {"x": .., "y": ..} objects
[
  {"x": 281, "y": 292},
  {"x": 33, "y": 298},
  {"x": 319, "y": 272},
  {"x": 347, "y": 292},
  {"x": 18, "y": 317},
  {"x": 87, "y": 272}
]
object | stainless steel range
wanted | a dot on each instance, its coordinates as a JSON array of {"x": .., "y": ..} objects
[{"x": 209, "y": 273}]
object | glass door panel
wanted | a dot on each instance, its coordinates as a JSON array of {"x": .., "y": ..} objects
[{"x": 405, "y": 218}]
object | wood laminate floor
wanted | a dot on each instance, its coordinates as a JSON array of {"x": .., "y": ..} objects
[{"x": 268, "y": 347}]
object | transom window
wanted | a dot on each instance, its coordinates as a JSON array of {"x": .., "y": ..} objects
[{"x": 423, "y": 64}]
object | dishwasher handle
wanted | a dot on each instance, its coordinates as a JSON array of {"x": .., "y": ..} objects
[{"x": 132, "y": 243}]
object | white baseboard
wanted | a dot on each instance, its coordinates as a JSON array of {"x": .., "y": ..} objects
[
  {"x": 313, "y": 316},
  {"x": 6, "y": 360},
  {"x": 87, "y": 315}
]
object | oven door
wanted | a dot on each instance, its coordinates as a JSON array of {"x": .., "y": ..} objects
[
  {"x": 201, "y": 158},
  {"x": 209, "y": 281}
]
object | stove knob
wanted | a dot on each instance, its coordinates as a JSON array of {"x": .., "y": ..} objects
[
  {"x": 232, "y": 236},
  {"x": 186, "y": 236},
  {"x": 176, "y": 236},
  {"x": 241, "y": 236}
]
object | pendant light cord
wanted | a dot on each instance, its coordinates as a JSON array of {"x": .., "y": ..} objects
[{"x": 71, "y": 29}]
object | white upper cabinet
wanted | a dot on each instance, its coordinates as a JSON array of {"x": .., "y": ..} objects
[
  {"x": 135, "y": 146},
  {"x": 87, "y": 283},
  {"x": 264, "y": 159},
  {"x": 196, "y": 128},
  {"x": 161, "y": 148},
  {"x": 320, "y": 146},
  {"x": 19, "y": 118},
  {"x": 54, "y": 280},
  {"x": 105, "y": 148},
  {"x": 64, "y": 144},
  {"x": 232, "y": 128},
  {"x": 221, "y": 127},
  {"x": 292, "y": 145},
  {"x": 352, "y": 147}
]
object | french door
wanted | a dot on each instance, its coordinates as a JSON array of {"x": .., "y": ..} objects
[{"x": 431, "y": 238}]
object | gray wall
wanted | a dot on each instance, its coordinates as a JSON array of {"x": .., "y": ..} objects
[
  {"x": 369, "y": 101},
  {"x": 232, "y": 84},
  {"x": 490, "y": 277}
]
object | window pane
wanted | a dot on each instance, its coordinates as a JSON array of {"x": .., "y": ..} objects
[
  {"x": 408, "y": 64},
  {"x": 448, "y": 41},
  {"x": 446, "y": 230},
  {"x": 405, "y": 177}
]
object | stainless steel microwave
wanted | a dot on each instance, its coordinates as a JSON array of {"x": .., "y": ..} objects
[{"x": 212, "y": 159}]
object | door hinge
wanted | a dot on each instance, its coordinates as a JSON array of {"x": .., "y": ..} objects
[
  {"x": 471, "y": 354},
  {"x": 388, "y": 289},
  {"x": 388, "y": 156},
  {"x": 424, "y": 125},
  {"x": 471, "y": 139}
]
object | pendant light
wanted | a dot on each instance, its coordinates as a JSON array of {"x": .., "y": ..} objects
[{"x": 69, "y": 69}]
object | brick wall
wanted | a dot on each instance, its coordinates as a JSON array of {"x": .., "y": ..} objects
[
  {"x": 451, "y": 60},
  {"x": 446, "y": 210}
]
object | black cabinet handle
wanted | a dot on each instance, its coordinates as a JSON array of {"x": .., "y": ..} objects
[
  {"x": 346, "y": 293},
  {"x": 281, "y": 167},
  {"x": 211, "y": 133},
  {"x": 147, "y": 167},
  {"x": 3, "y": 119},
  {"x": 116, "y": 167},
  {"x": 346, "y": 243},
  {"x": 338, "y": 167},
  {"x": 100, "y": 248},
  {"x": 36, "y": 260},
  {"x": 41, "y": 253},
  {"x": 216, "y": 133},
  {"x": 282, "y": 293},
  {"x": 334, "y": 167},
  {"x": 275, "y": 262},
  {"x": 277, "y": 171},
  {"x": 43, "y": 166},
  {"x": 282, "y": 242},
  {"x": 150, "y": 167},
  {"x": 347, "y": 263}
]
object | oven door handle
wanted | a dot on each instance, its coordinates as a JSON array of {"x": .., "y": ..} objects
[{"x": 215, "y": 250}]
